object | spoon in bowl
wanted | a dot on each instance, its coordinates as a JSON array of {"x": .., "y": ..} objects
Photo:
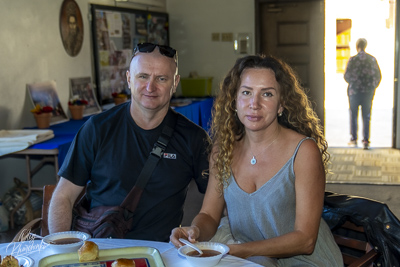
[
  {"x": 41, "y": 237},
  {"x": 191, "y": 245}
]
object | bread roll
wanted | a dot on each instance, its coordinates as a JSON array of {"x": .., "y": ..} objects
[
  {"x": 88, "y": 252},
  {"x": 9, "y": 261},
  {"x": 123, "y": 263}
]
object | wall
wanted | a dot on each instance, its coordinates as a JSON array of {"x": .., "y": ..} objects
[
  {"x": 32, "y": 51},
  {"x": 192, "y": 22}
]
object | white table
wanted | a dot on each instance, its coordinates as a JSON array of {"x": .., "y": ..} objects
[{"x": 169, "y": 253}]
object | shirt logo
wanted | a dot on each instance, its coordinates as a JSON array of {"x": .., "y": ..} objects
[{"x": 169, "y": 156}]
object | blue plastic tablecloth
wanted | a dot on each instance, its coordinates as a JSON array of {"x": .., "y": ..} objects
[
  {"x": 64, "y": 133},
  {"x": 199, "y": 112}
]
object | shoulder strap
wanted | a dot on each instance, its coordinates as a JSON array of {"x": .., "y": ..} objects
[{"x": 132, "y": 199}]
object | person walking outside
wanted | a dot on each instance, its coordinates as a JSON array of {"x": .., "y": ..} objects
[{"x": 363, "y": 76}]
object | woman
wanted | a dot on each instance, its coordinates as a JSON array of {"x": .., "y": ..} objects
[{"x": 267, "y": 165}]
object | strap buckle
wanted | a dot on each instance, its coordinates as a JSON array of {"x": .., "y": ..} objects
[{"x": 158, "y": 149}]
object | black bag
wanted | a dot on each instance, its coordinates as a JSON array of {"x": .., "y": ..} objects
[
  {"x": 382, "y": 227},
  {"x": 116, "y": 221},
  {"x": 105, "y": 221}
]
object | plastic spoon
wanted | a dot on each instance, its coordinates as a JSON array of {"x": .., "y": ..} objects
[
  {"x": 41, "y": 237},
  {"x": 191, "y": 245},
  {"x": 37, "y": 236}
]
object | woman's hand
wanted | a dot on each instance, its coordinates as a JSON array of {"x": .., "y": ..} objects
[{"x": 191, "y": 233}]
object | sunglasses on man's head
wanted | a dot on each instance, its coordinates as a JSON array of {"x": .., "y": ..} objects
[{"x": 149, "y": 47}]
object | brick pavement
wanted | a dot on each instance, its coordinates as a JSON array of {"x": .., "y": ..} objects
[{"x": 358, "y": 166}]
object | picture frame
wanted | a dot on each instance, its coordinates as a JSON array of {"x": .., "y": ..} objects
[
  {"x": 71, "y": 27},
  {"x": 45, "y": 94},
  {"x": 82, "y": 87},
  {"x": 115, "y": 33}
]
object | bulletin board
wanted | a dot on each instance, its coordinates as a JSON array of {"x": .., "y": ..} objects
[{"x": 115, "y": 33}]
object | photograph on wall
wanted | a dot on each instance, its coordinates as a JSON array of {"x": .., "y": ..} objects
[
  {"x": 114, "y": 36},
  {"x": 157, "y": 30},
  {"x": 45, "y": 94},
  {"x": 71, "y": 27},
  {"x": 82, "y": 89},
  {"x": 116, "y": 33},
  {"x": 141, "y": 27}
]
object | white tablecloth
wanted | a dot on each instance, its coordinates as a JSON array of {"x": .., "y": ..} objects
[
  {"x": 37, "y": 250},
  {"x": 16, "y": 140}
]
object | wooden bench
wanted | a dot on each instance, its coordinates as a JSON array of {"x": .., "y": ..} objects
[{"x": 352, "y": 241}]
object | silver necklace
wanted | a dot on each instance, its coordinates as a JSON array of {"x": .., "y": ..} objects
[{"x": 253, "y": 161}]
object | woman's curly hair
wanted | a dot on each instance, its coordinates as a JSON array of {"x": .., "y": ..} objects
[{"x": 226, "y": 128}]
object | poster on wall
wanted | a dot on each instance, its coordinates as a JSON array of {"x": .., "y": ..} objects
[
  {"x": 116, "y": 31},
  {"x": 82, "y": 89},
  {"x": 157, "y": 31},
  {"x": 45, "y": 94}
]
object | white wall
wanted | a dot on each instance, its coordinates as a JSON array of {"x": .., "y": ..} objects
[
  {"x": 192, "y": 22},
  {"x": 31, "y": 50}
]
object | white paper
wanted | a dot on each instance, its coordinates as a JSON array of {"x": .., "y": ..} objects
[{"x": 114, "y": 23}]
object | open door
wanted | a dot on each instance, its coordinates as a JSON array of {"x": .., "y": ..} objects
[{"x": 294, "y": 32}]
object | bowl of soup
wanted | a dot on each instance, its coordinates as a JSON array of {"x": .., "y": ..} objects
[
  {"x": 66, "y": 241},
  {"x": 212, "y": 254}
]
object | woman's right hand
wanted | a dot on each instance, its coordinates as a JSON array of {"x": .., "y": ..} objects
[{"x": 191, "y": 233}]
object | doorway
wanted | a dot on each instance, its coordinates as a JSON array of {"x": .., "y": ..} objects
[
  {"x": 294, "y": 31},
  {"x": 376, "y": 23}
]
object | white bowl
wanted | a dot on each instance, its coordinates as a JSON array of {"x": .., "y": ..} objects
[
  {"x": 204, "y": 261},
  {"x": 52, "y": 239}
]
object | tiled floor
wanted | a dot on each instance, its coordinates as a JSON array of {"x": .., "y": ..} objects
[
  {"x": 337, "y": 128},
  {"x": 373, "y": 173},
  {"x": 358, "y": 166},
  {"x": 378, "y": 165}
]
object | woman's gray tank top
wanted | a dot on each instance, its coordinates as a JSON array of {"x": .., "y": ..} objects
[{"x": 270, "y": 212}]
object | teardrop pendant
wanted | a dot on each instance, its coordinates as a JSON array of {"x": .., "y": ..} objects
[{"x": 253, "y": 161}]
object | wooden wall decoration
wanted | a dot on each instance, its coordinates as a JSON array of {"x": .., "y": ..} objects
[{"x": 71, "y": 27}]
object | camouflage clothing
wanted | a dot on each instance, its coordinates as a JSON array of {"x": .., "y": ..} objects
[{"x": 362, "y": 74}]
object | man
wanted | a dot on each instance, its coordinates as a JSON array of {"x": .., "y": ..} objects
[
  {"x": 363, "y": 76},
  {"x": 74, "y": 39},
  {"x": 109, "y": 152}
]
